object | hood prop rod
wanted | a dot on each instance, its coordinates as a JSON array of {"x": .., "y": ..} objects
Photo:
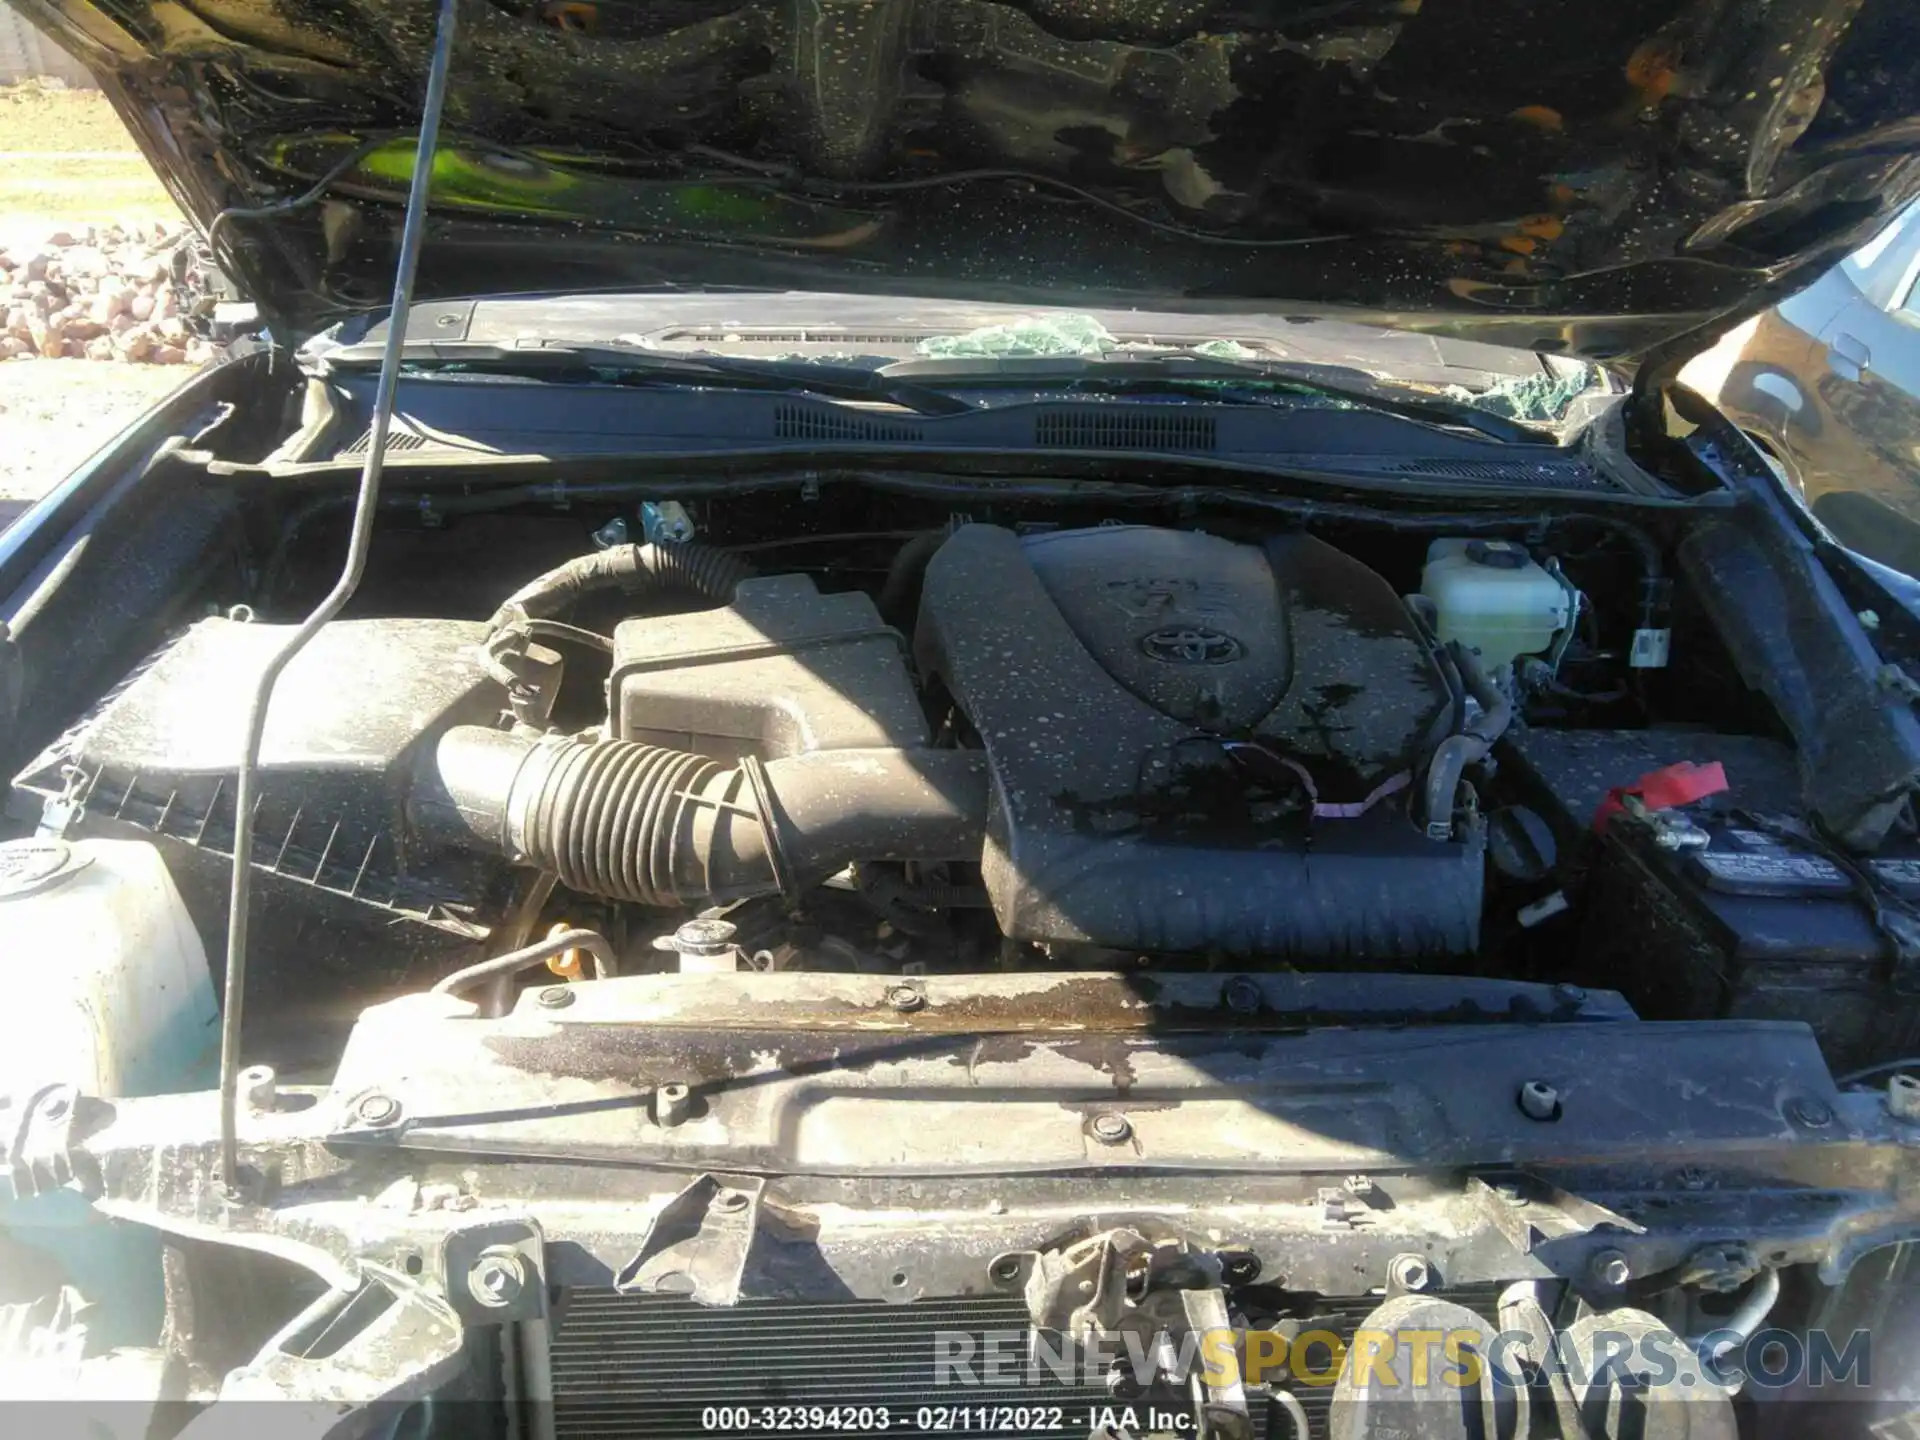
[{"x": 366, "y": 508}]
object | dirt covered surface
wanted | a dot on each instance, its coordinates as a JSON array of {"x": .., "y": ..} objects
[
  {"x": 55, "y": 413},
  {"x": 65, "y": 158}
]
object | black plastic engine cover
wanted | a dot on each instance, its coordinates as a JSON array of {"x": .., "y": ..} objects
[{"x": 1162, "y": 709}]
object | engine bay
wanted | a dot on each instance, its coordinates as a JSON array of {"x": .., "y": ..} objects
[
  {"x": 768, "y": 740},
  {"x": 739, "y": 909}
]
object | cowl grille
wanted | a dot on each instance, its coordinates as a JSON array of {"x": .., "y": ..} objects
[
  {"x": 1137, "y": 430},
  {"x": 801, "y": 422}
]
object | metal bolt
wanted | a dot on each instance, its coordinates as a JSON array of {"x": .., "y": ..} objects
[
  {"x": 614, "y": 532},
  {"x": 1112, "y": 1129},
  {"x": 671, "y": 1104},
  {"x": 240, "y": 614},
  {"x": 259, "y": 1090},
  {"x": 554, "y": 997},
  {"x": 729, "y": 1201},
  {"x": 1539, "y": 1101},
  {"x": 906, "y": 999},
  {"x": 1242, "y": 996},
  {"x": 1903, "y": 1097},
  {"x": 377, "y": 1109},
  {"x": 1569, "y": 994},
  {"x": 1610, "y": 1268},
  {"x": 497, "y": 1277},
  {"x": 1809, "y": 1111},
  {"x": 1409, "y": 1272}
]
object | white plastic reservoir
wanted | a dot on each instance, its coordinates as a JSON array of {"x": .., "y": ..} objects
[
  {"x": 1491, "y": 596},
  {"x": 107, "y": 983}
]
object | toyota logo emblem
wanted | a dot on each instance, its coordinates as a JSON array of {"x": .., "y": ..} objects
[{"x": 1190, "y": 645}]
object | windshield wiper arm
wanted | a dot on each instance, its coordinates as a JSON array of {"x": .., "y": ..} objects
[
  {"x": 834, "y": 381},
  {"x": 1142, "y": 371}
]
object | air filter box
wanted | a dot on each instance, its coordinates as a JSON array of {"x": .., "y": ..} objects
[{"x": 157, "y": 759}]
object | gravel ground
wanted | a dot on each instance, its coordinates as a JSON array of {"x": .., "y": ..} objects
[
  {"x": 55, "y": 413},
  {"x": 65, "y": 160}
]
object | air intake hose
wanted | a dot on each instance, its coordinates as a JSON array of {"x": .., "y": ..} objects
[{"x": 664, "y": 827}]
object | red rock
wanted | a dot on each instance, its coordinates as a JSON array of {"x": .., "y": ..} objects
[{"x": 169, "y": 355}]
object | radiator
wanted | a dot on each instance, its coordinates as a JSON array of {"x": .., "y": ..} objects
[{"x": 630, "y": 1367}]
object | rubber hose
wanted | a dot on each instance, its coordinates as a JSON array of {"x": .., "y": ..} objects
[
  {"x": 899, "y": 598},
  {"x": 663, "y": 827},
  {"x": 605, "y": 818},
  {"x": 514, "y": 961},
  {"x": 1470, "y": 746},
  {"x": 636, "y": 569}
]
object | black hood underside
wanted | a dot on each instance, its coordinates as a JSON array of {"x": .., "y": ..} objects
[{"x": 1591, "y": 179}]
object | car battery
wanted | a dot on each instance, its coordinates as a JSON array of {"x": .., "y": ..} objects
[{"x": 1719, "y": 910}]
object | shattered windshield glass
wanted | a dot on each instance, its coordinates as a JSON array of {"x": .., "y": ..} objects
[{"x": 1538, "y": 398}]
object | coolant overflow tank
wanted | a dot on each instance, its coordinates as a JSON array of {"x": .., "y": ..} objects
[
  {"x": 108, "y": 983},
  {"x": 1493, "y": 597}
]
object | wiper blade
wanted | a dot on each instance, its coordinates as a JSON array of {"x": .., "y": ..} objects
[
  {"x": 1137, "y": 372},
  {"x": 834, "y": 381}
]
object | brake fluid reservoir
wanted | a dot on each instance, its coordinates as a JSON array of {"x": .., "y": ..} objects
[
  {"x": 1491, "y": 597},
  {"x": 109, "y": 988}
]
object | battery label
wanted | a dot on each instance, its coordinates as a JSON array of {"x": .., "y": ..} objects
[{"x": 1774, "y": 871}]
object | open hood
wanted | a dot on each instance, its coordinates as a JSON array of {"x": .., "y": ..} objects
[{"x": 1588, "y": 179}]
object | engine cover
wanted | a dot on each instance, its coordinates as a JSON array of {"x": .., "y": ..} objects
[{"x": 1198, "y": 744}]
